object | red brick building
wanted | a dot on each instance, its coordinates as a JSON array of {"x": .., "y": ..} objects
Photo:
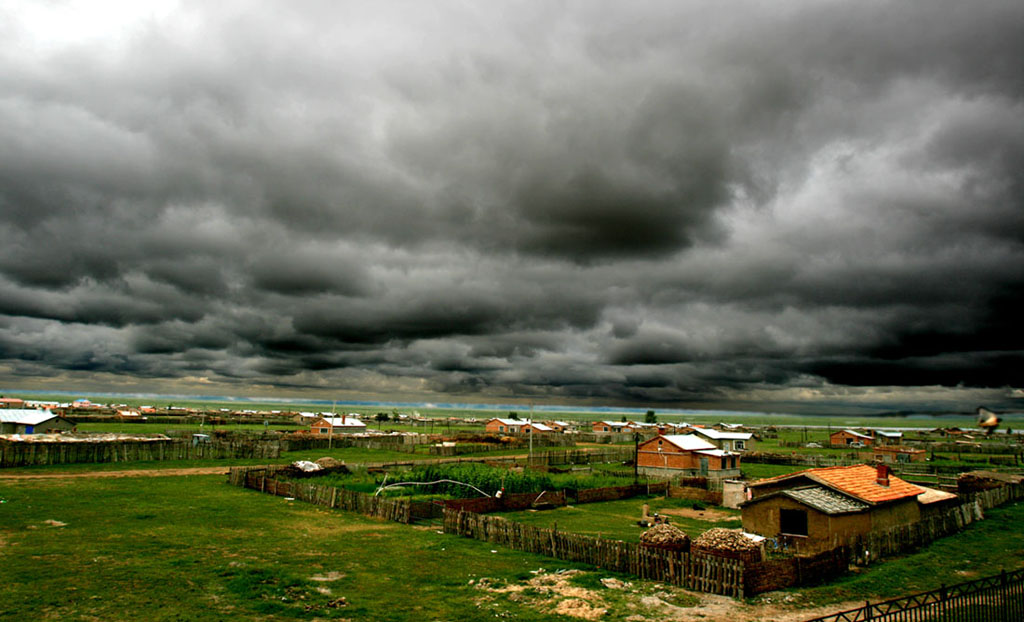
[
  {"x": 686, "y": 455},
  {"x": 844, "y": 438}
]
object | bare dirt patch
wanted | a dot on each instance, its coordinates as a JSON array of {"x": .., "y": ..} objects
[
  {"x": 710, "y": 514},
  {"x": 555, "y": 592}
]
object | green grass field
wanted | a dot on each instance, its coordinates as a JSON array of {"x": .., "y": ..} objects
[
  {"x": 194, "y": 548},
  {"x": 617, "y": 520}
]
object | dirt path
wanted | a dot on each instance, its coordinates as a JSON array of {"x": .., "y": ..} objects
[{"x": 131, "y": 473}]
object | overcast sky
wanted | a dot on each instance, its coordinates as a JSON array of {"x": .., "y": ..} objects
[{"x": 767, "y": 205}]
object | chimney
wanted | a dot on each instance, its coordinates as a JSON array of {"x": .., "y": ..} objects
[
  {"x": 883, "y": 476},
  {"x": 342, "y": 418}
]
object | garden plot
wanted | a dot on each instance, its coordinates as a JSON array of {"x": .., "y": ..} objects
[{"x": 617, "y": 520}]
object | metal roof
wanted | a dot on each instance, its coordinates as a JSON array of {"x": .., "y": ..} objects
[
  {"x": 825, "y": 500},
  {"x": 688, "y": 442},
  {"x": 24, "y": 416},
  {"x": 727, "y": 436},
  {"x": 347, "y": 422}
]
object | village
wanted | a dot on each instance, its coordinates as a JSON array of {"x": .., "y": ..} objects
[{"x": 724, "y": 508}]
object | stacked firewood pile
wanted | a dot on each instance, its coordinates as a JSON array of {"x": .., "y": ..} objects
[
  {"x": 728, "y": 543},
  {"x": 665, "y": 536}
]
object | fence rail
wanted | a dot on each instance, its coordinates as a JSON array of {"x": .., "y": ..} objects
[
  {"x": 695, "y": 571},
  {"x": 999, "y": 598}
]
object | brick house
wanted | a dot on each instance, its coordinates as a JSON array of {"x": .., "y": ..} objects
[
  {"x": 844, "y": 438},
  {"x": 345, "y": 424},
  {"x": 610, "y": 426},
  {"x": 12, "y": 402},
  {"x": 819, "y": 509},
  {"x": 686, "y": 455},
  {"x": 503, "y": 426}
]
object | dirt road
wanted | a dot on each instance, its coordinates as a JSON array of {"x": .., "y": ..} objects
[{"x": 131, "y": 473}]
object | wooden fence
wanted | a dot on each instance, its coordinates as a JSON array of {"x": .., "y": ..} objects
[
  {"x": 263, "y": 479},
  {"x": 998, "y": 598},
  {"x": 875, "y": 545},
  {"x": 694, "y": 571},
  {"x": 28, "y": 453}
]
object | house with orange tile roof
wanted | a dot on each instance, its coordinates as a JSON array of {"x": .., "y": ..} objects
[{"x": 819, "y": 509}]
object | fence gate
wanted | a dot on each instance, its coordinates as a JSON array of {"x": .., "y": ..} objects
[{"x": 999, "y": 598}]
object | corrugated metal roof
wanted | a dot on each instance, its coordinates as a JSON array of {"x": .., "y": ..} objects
[
  {"x": 347, "y": 422},
  {"x": 727, "y": 436},
  {"x": 24, "y": 416},
  {"x": 688, "y": 442},
  {"x": 825, "y": 500}
]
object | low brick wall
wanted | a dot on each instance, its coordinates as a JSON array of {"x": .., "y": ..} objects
[
  {"x": 507, "y": 503},
  {"x": 777, "y": 574},
  {"x": 614, "y": 493},
  {"x": 713, "y": 497}
]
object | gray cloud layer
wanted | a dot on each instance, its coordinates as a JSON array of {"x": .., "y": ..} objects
[{"x": 654, "y": 202}]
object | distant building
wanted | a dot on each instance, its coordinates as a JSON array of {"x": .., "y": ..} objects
[
  {"x": 508, "y": 427},
  {"x": 513, "y": 427},
  {"x": 345, "y": 424},
  {"x": 845, "y": 438},
  {"x": 22, "y": 421},
  {"x": 729, "y": 441},
  {"x": 895, "y": 453},
  {"x": 11, "y": 402},
  {"x": 610, "y": 426},
  {"x": 883, "y": 437}
]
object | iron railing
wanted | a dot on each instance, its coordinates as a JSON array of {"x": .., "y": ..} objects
[{"x": 999, "y": 598}]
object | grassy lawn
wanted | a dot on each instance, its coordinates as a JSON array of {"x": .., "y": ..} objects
[
  {"x": 193, "y": 548},
  {"x": 196, "y": 549},
  {"x": 753, "y": 470},
  {"x": 617, "y": 519}
]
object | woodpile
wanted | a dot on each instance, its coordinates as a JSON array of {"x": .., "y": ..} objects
[
  {"x": 665, "y": 536},
  {"x": 719, "y": 539}
]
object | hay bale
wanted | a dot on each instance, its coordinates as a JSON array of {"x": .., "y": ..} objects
[{"x": 327, "y": 462}]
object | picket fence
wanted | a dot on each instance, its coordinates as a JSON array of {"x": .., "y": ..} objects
[{"x": 694, "y": 571}]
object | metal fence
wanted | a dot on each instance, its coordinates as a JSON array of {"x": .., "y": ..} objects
[{"x": 999, "y": 598}]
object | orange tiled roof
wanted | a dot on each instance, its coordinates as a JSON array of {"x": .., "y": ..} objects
[{"x": 857, "y": 481}]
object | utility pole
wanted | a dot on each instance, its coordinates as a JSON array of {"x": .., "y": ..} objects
[{"x": 636, "y": 457}]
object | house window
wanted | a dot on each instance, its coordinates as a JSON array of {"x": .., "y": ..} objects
[
  {"x": 323, "y": 430},
  {"x": 501, "y": 428},
  {"x": 793, "y": 522},
  {"x": 740, "y": 445}
]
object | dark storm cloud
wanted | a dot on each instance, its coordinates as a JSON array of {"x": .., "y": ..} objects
[{"x": 676, "y": 202}]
